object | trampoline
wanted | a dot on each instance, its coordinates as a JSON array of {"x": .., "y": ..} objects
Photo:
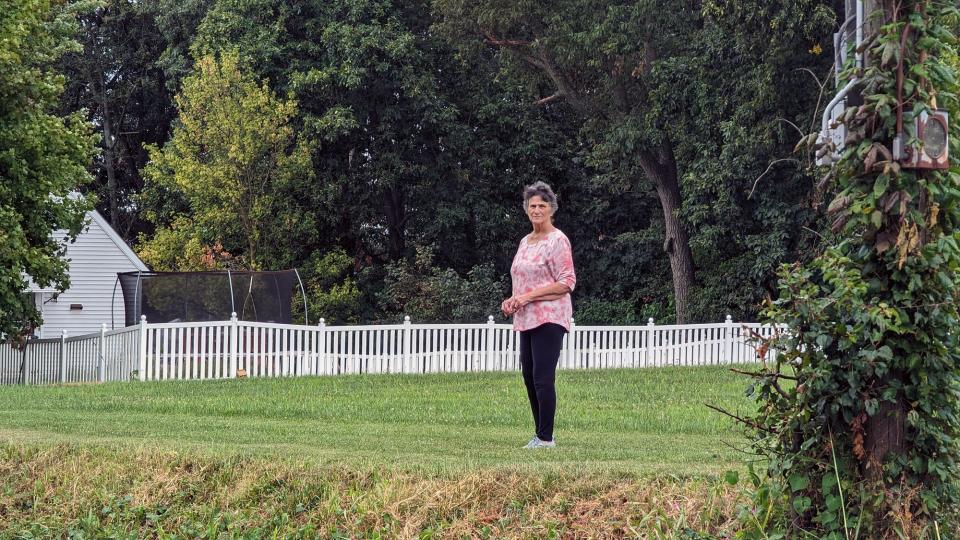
[{"x": 209, "y": 296}]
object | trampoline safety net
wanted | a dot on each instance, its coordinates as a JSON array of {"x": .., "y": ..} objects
[{"x": 208, "y": 296}]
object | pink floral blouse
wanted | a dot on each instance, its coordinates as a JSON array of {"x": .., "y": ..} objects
[{"x": 536, "y": 265}]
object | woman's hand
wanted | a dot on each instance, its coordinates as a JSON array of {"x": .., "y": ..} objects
[
  {"x": 514, "y": 303},
  {"x": 507, "y": 307}
]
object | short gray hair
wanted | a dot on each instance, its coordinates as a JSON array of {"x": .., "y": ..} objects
[{"x": 542, "y": 190}]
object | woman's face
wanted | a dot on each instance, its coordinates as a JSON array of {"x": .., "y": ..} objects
[{"x": 538, "y": 210}]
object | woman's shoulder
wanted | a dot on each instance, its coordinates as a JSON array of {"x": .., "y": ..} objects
[
  {"x": 558, "y": 236},
  {"x": 556, "y": 242}
]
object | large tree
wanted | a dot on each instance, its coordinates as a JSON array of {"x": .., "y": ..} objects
[
  {"x": 740, "y": 100},
  {"x": 633, "y": 72},
  {"x": 232, "y": 152},
  {"x": 598, "y": 59},
  {"x": 43, "y": 158},
  {"x": 115, "y": 78}
]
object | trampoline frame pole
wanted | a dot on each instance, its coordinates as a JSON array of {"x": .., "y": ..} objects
[
  {"x": 233, "y": 307},
  {"x": 137, "y": 300},
  {"x": 113, "y": 300},
  {"x": 303, "y": 293}
]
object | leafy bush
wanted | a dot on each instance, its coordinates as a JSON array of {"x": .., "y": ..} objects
[
  {"x": 332, "y": 292},
  {"x": 426, "y": 293}
]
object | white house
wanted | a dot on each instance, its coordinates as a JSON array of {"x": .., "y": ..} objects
[{"x": 95, "y": 258}]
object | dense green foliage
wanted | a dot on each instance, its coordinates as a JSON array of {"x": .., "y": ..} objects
[
  {"x": 43, "y": 158},
  {"x": 330, "y": 289},
  {"x": 747, "y": 196},
  {"x": 114, "y": 80},
  {"x": 679, "y": 111},
  {"x": 423, "y": 137},
  {"x": 426, "y": 293},
  {"x": 864, "y": 439}
]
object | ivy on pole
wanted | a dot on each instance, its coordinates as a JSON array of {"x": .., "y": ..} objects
[{"x": 858, "y": 412}]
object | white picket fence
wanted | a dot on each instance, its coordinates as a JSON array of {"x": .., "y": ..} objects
[
  {"x": 110, "y": 355},
  {"x": 228, "y": 349}
]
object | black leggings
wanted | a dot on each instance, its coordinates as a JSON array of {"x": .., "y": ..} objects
[{"x": 539, "y": 353}]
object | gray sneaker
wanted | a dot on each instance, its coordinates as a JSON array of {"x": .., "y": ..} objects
[
  {"x": 537, "y": 443},
  {"x": 546, "y": 444}
]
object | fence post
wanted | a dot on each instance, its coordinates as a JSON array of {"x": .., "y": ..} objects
[
  {"x": 491, "y": 354},
  {"x": 406, "y": 343},
  {"x": 728, "y": 340},
  {"x": 63, "y": 356},
  {"x": 234, "y": 346},
  {"x": 101, "y": 368},
  {"x": 572, "y": 344},
  {"x": 142, "y": 371},
  {"x": 322, "y": 362},
  {"x": 649, "y": 342}
]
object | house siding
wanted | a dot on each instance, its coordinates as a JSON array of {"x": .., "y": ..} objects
[{"x": 95, "y": 258}]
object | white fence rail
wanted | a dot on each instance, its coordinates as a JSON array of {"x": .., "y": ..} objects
[{"x": 228, "y": 349}]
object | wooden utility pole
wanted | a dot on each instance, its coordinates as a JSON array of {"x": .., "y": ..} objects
[
  {"x": 885, "y": 431},
  {"x": 875, "y": 13}
]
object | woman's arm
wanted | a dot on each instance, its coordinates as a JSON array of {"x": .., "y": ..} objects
[{"x": 553, "y": 291}]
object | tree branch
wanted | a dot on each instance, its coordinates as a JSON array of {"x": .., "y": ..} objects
[
  {"x": 515, "y": 45},
  {"x": 564, "y": 86},
  {"x": 557, "y": 95},
  {"x": 740, "y": 419},
  {"x": 796, "y": 127},
  {"x": 492, "y": 40},
  {"x": 774, "y": 383},
  {"x": 816, "y": 109},
  {"x": 772, "y": 163},
  {"x": 759, "y": 374},
  {"x": 540, "y": 58}
]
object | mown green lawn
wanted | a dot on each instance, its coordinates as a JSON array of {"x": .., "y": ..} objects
[{"x": 636, "y": 421}]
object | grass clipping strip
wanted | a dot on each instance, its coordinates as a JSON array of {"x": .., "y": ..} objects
[{"x": 64, "y": 489}]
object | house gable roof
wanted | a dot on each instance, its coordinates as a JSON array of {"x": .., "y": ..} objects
[
  {"x": 115, "y": 238},
  {"x": 96, "y": 218}
]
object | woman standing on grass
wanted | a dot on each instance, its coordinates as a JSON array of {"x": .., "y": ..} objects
[{"x": 543, "y": 278}]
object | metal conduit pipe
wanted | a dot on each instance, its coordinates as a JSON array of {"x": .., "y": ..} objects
[
  {"x": 838, "y": 42},
  {"x": 825, "y": 120},
  {"x": 860, "y": 23}
]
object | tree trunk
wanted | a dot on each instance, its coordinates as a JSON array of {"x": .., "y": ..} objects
[
  {"x": 109, "y": 160},
  {"x": 396, "y": 222},
  {"x": 676, "y": 243}
]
